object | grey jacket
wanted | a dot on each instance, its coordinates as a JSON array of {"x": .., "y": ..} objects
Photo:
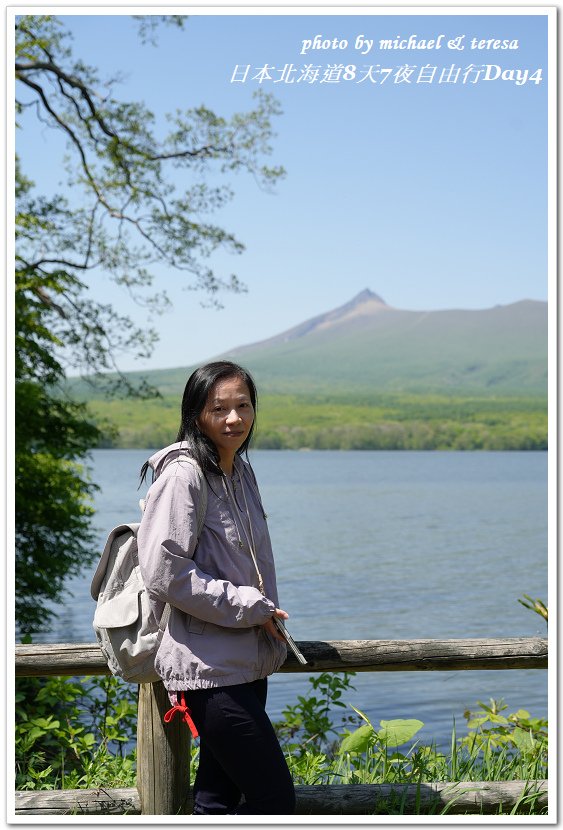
[{"x": 214, "y": 636}]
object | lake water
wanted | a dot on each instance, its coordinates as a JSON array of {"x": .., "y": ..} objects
[{"x": 383, "y": 545}]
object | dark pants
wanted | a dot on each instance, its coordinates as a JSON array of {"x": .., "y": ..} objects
[{"x": 239, "y": 753}]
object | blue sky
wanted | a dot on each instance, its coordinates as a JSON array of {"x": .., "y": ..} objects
[{"x": 433, "y": 195}]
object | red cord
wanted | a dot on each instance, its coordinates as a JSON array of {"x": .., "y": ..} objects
[{"x": 181, "y": 707}]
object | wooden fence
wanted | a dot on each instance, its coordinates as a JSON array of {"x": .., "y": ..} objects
[{"x": 163, "y": 750}]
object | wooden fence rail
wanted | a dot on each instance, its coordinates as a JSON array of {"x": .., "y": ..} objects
[
  {"x": 467, "y": 797},
  {"x": 163, "y": 750},
  {"x": 75, "y": 659}
]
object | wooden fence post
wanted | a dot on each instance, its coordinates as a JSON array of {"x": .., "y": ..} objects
[{"x": 163, "y": 755}]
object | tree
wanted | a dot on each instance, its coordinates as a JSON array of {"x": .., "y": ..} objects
[
  {"x": 53, "y": 537},
  {"x": 136, "y": 201}
]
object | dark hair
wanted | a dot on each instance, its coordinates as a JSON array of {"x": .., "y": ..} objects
[{"x": 196, "y": 392}]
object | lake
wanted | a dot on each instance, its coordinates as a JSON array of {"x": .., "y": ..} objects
[{"x": 383, "y": 545}]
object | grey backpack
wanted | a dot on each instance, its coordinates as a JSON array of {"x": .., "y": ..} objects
[{"x": 126, "y": 629}]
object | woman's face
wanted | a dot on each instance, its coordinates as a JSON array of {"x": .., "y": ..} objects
[{"x": 228, "y": 415}]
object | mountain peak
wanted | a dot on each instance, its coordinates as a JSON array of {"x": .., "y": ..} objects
[
  {"x": 364, "y": 296},
  {"x": 365, "y": 304}
]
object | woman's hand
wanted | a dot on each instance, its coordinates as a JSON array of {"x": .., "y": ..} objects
[{"x": 270, "y": 627}]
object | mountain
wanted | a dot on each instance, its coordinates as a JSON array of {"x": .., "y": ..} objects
[{"x": 366, "y": 346}]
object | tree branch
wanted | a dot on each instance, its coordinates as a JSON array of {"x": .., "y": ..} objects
[
  {"x": 206, "y": 151},
  {"x": 40, "y": 66},
  {"x": 64, "y": 263},
  {"x": 65, "y": 127}
]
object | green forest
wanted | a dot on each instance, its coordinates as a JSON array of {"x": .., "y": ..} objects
[{"x": 370, "y": 422}]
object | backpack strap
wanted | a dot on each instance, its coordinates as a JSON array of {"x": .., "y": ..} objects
[{"x": 200, "y": 519}]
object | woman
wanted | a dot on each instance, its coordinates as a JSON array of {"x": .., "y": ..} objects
[{"x": 221, "y": 642}]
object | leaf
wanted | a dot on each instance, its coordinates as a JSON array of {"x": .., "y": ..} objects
[
  {"x": 498, "y": 719},
  {"x": 475, "y": 722},
  {"x": 535, "y": 724},
  {"x": 33, "y": 734},
  {"x": 523, "y": 740},
  {"x": 358, "y": 741},
  {"x": 46, "y": 723},
  {"x": 520, "y": 714},
  {"x": 397, "y": 732},
  {"x": 43, "y": 773},
  {"x": 90, "y": 740}
]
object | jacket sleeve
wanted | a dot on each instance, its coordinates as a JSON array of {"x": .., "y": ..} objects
[{"x": 167, "y": 539}]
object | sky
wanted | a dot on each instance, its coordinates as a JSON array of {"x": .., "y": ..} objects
[{"x": 433, "y": 194}]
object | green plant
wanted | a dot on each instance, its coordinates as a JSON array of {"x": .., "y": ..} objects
[
  {"x": 497, "y": 748},
  {"x": 390, "y": 733},
  {"x": 493, "y": 732},
  {"x": 534, "y": 605},
  {"x": 365, "y": 753},
  {"x": 307, "y": 726},
  {"x": 73, "y": 734}
]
